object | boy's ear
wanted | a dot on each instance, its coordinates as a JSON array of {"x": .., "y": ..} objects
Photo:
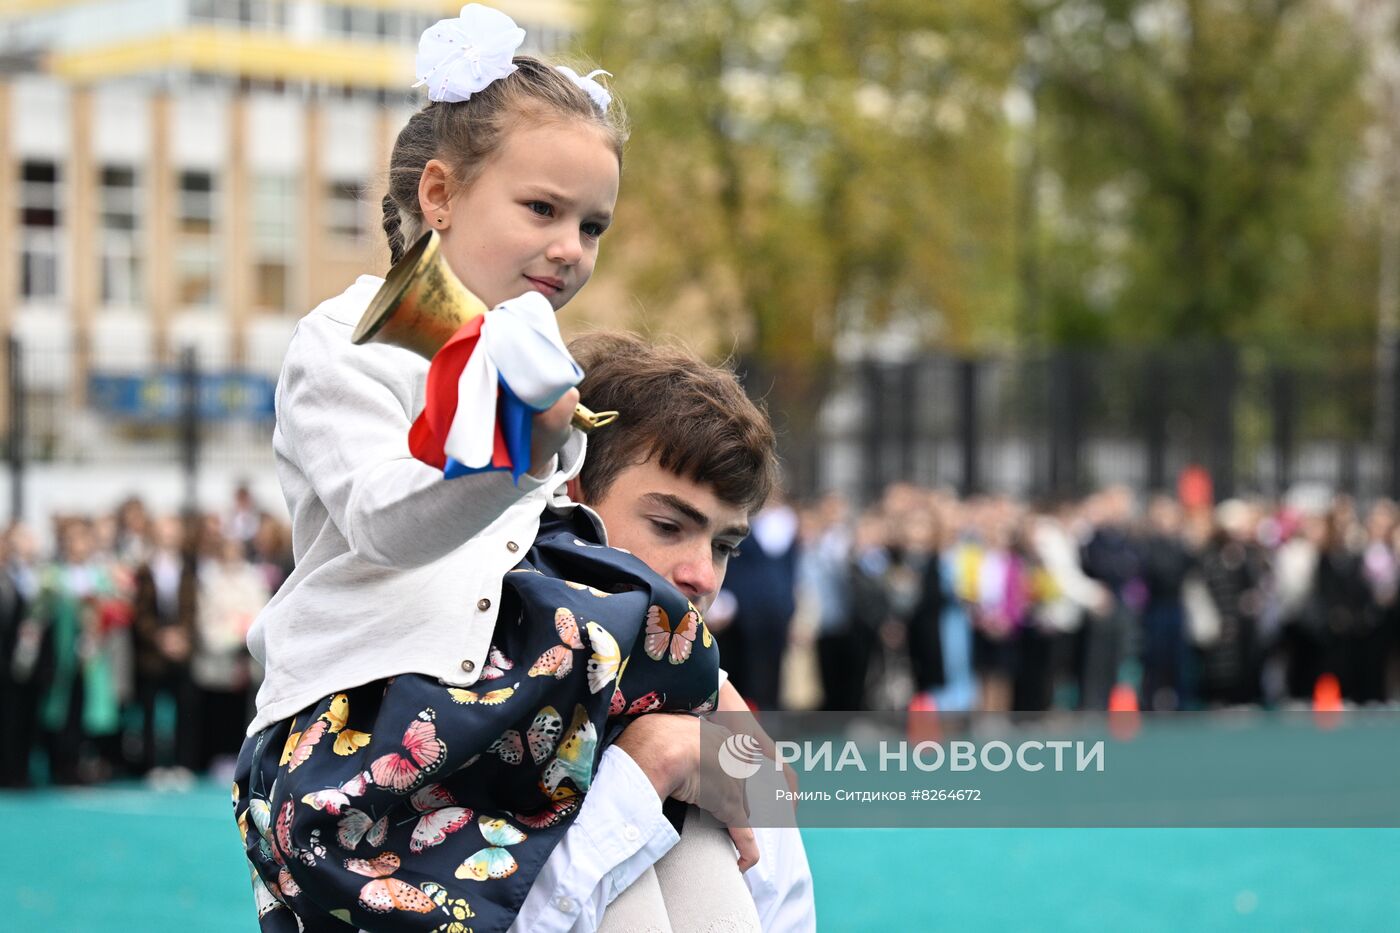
[{"x": 575, "y": 489}]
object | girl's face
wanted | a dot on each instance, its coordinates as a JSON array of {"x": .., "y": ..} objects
[{"x": 532, "y": 218}]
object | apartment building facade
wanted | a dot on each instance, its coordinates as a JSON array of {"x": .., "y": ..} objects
[{"x": 193, "y": 174}]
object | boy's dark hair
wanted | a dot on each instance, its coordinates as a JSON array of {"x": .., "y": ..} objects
[{"x": 693, "y": 417}]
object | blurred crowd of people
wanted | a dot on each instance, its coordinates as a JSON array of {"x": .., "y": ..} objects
[
  {"x": 122, "y": 652},
  {"x": 991, "y": 604}
]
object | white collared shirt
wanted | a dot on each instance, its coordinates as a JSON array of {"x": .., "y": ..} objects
[{"x": 620, "y": 832}]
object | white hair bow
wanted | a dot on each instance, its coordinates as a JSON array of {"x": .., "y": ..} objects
[
  {"x": 600, "y": 95},
  {"x": 458, "y": 57}
]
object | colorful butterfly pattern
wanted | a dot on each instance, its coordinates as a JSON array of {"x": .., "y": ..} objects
[
  {"x": 300, "y": 744},
  {"x": 618, "y": 702},
  {"x": 263, "y": 897},
  {"x": 574, "y": 759},
  {"x": 347, "y": 741},
  {"x": 508, "y": 747},
  {"x": 558, "y": 662},
  {"x": 261, "y": 812},
  {"x": 315, "y": 850},
  {"x": 385, "y": 893},
  {"x": 710, "y": 704},
  {"x": 647, "y": 703},
  {"x": 384, "y": 822},
  {"x": 490, "y": 698},
  {"x": 496, "y": 665},
  {"x": 558, "y": 809},
  {"x": 356, "y": 825},
  {"x": 544, "y": 734},
  {"x": 441, "y": 816},
  {"x": 334, "y": 799},
  {"x": 604, "y": 661},
  {"x": 664, "y": 641},
  {"x": 421, "y": 755},
  {"x": 493, "y": 861},
  {"x": 286, "y": 885},
  {"x": 456, "y": 908}
]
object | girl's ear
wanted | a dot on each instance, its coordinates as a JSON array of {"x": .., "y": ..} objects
[{"x": 435, "y": 194}]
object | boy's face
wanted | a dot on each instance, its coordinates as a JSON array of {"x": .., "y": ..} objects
[{"x": 677, "y": 527}]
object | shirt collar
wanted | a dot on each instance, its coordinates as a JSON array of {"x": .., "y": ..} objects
[
  {"x": 351, "y": 304},
  {"x": 570, "y": 463}
]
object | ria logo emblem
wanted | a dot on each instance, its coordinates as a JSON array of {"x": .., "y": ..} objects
[{"x": 740, "y": 756}]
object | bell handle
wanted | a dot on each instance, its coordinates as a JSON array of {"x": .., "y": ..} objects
[{"x": 585, "y": 419}]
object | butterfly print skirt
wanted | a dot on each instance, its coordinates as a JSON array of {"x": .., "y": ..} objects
[{"x": 404, "y": 804}]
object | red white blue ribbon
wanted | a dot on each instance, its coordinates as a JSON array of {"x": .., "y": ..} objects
[{"x": 486, "y": 384}]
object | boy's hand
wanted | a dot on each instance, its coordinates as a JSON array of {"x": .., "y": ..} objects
[
  {"x": 551, "y": 429},
  {"x": 666, "y": 746},
  {"x": 731, "y": 703}
]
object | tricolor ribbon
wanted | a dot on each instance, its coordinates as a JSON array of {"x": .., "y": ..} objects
[{"x": 486, "y": 384}]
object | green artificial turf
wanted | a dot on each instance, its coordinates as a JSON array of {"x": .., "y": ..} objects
[{"x": 127, "y": 858}]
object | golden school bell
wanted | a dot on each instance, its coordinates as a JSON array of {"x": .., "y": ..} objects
[{"x": 422, "y": 304}]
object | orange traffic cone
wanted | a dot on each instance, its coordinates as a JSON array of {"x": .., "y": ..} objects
[
  {"x": 1122, "y": 699},
  {"x": 922, "y": 724},
  {"x": 1327, "y": 701},
  {"x": 1124, "y": 720}
]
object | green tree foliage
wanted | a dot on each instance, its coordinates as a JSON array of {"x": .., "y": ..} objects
[
  {"x": 1072, "y": 170},
  {"x": 803, "y": 168},
  {"x": 1198, "y": 158}
]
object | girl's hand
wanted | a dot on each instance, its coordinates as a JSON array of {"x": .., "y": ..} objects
[{"x": 551, "y": 429}]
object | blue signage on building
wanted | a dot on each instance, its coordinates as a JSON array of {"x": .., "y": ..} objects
[{"x": 159, "y": 397}]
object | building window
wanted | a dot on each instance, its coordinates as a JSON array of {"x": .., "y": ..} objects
[
  {"x": 275, "y": 206},
  {"x": 387, "y": 25},
  {"x": 257, "y": 14},
  {"x": 345, "y": 214},
  {"x": 413, "y": 25},
  {"x": 196, "y": 265},
  {"x": 40, "y": 218},
  {"x": 121, "y": 252},
  {"x": 337, "y": 20},
  {"x": 274, "y": 86},
  {"x": 351, "y": 21},
  {"x": 204, "y": 11},
  {"x": 196, "y": 202}
]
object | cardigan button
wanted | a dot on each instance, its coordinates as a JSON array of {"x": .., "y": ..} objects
[
  {"x": 512, "y": 546},
  {"x": 468, "y": 666},
  {"x": 483, "y": 604}
]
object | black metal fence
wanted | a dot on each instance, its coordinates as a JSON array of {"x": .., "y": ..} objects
[
  {"x": 187, "y": 414},
  {"x": 1057, "y": 423},
  {"x": 1066, "y": 421}
]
